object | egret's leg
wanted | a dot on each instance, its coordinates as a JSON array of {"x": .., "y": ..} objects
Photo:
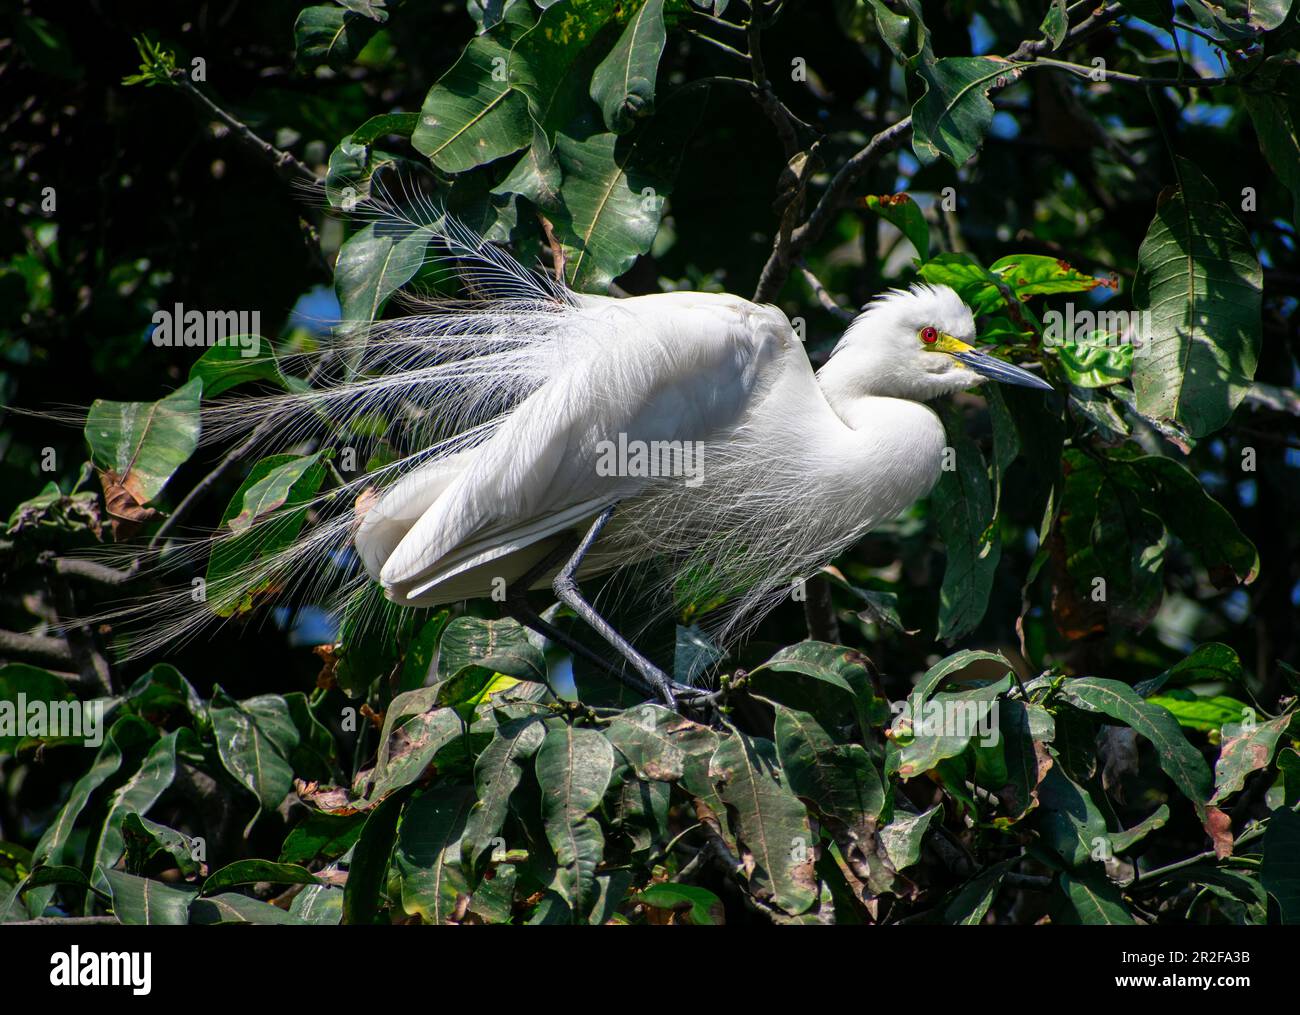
[
  {"x": 566, "y": 588},
  {"x": 517, "y": 606}
]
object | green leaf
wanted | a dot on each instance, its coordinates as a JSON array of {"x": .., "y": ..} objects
[
  {"x": 428, "y": 854},
  {"x": 614, "y": 189},
  {"x": 1200, "y": 522},
  {"x": 1056, "y": 23},
  {"x": 928, "y": 740},
  {"x": 417, "y": 663},
  {"x": 975, "y": 284},
  {"x": 356, "y": 161},
  {"x": 372, "y": 634},
  {"x": 624, "y": 83},
  {"x": 1271, "y": 95},
  {"x": 43, "y": 875},
  {"x": 969, "y": 531},
  {"x": 1279, "y": 872},
  {"x": 972, "y": 902},
  {"x": 235, "y": 908},
  {"x": 372, "y": 9},
  {"x": 1122, "y": 842},
  {"x": 1180, "y": 760},
  {"x": 1095, "y": 900},
  {"x": 842, "y": 785},
  {"x": 223, "y": 367},
  {"x": 1240, "y": 19},
  {"x": 1288, "y": 766},
  {"x": 385, "y": 124},
  {"x": 473, "y": 115},
  {"x": 905, "y": 34},
  {"x": 1208, "y": 663},
  {"x": 1200, "y": 280},
  {"x": 829, "y": 681},
  {"x": 369, "y": 861},
  {"x": 321, "y": 836},
  {"x": 241, "y": 569},
  {"x": 1025, "y": 729},
  {"x": 271, "y": 491},
  {"x": 161, "y": 695},
  {"x": 611, "y": 221},
  {"x": 574, "y": 768},
  {"x": 1233, "y": 884},
  {"x": 318, "y": 904},
  {"x": 329, "y": 35},
  {"x": 250, "y": 872},
  {"x": 536, "y": 175},
  {"x": 1095, "y": 366},
  {"x": 934, "y": 677},
  {"x": 901, "y": 211},
  {"x": 37, "y": 687},
  {"x": 1197, "y": 712},
  {"x": 646, "y": 736},
  {"x": 491, "y": 646},
  {"x": 1067, "y": 818},
  {"x": 955, "y": 113},
  {"x": 1039, "y": 275},
  {"x": 1245, "y": 749},
  {"x": 142, "y": 901},
  {"x": 143, "y": 443},
  {"x": 135, "y": 796},
  {"x": 487, "y": 14},
  {"x": 770, "y": 822},
  {"x": 839, "y": 779},
  {"x": 316, "y": 755},
  {"x": 1109, "y": 533},
  {"x": 497, "y": 772},
  {"x": 903, "y": 836},
  {"x": 703, "y": 908},
  {"x": 254, "y": 740},
  {"x": 373, "y": 264},
  {"x": 146, "y": 840},
  {"x": 494, "y": 898},
  {"x": 551, "y": 63},
  {"x": 127, "y": 737},
  {"x": 408, "y": 750},
  {"x": 638, "y": 809}
]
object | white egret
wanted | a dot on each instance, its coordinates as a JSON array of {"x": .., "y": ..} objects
[{"x": 514, "y": 403}]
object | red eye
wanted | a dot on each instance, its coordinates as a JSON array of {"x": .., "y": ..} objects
[{"x": 929, "y": 336}]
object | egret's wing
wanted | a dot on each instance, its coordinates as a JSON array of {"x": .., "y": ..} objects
[{"x": 674, "y": 367}]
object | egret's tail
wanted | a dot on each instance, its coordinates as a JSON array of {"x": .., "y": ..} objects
[{"x": 376, "y": 402}]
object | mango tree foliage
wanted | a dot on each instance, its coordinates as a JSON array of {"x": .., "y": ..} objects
[{"x": 1059, "y": 689}]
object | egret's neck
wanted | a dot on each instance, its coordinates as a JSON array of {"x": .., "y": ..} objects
[{"x": 848, "y": 387}]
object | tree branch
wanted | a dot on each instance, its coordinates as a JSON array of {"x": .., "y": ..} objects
[
  {"x": 90, "y": 571},
  {"x": 35, "y": 648},
  {"x": 777, "y": 269},
  {"x": 83, "y": 642}
]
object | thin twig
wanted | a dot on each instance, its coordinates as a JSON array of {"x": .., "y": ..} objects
[
  {"x": 826, "y": 300},
  {"x": 772, "y": 106},
  {"x": 729, "y": 50},
  {"x": 286, "y": 164}
]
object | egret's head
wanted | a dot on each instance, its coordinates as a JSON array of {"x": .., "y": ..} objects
[{"x": 915, "y": 343}]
